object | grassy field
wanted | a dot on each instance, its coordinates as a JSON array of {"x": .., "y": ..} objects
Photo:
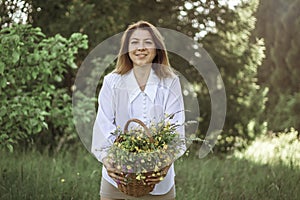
[
  {"x": 34, "y": 175},
  {"x": 230, "y": 178}
]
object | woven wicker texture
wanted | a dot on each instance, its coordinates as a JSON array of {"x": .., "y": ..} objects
[{"x": 135, "y": 187}]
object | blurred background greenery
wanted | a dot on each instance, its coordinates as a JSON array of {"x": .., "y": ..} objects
[{"x": 255, "y": 44}]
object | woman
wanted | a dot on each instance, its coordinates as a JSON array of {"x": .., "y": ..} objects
[{"x": 144, "y": 86}]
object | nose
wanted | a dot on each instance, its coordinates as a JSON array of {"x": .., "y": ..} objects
[{"x": 141, "y": 46}]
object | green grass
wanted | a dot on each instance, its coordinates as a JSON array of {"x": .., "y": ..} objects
[
  {"x": 34, "y": 175},
  {"x": 230, "y": 178}
]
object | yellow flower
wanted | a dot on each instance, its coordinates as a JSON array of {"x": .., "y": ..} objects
[
  {"x": 62, "y": 180},
  {"x": 187, "y": 153},
  {"x": 153, "y": 129}
]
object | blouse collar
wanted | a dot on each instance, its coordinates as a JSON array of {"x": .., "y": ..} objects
[{"x": 134, "y": 90}]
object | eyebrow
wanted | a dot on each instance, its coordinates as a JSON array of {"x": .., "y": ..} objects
[{"x": 143, "y": 39}]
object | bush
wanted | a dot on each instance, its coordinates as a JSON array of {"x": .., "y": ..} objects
[
  {"x": 33, "y": 98},
  {"x": 279, "y": 148},
  {"x": 284, "y": 112}
]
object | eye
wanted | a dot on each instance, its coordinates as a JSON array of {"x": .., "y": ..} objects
[
  {"x": 149, "y": 42},
  {"x": 133, "y": 42}
]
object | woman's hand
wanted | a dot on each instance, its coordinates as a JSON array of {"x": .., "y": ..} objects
[
  {"x": 113, "y": 172},
  {"x": 157, "y": 176}
]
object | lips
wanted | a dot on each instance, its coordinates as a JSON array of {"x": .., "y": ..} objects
[{"x": 141, "y": 55}]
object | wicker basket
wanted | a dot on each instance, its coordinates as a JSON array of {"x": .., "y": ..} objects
[{"x": 136, "y": 187}]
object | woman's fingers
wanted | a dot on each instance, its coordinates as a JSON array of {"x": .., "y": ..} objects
[
  {"x": 108, "y": 163},
  {"x": 113, "y": 172},
  {"x": 156, "y": 178},
  {"x": 117, "y": 178},
  {"x": 153, "y": 181}
]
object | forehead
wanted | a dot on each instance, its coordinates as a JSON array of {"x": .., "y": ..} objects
[{"x": 140, "y": 34}]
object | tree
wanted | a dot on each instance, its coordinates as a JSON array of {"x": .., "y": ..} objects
[
  {"x": 238, "y": 59},
  {"x": 98, "y": 20},
  {"x": 223, "y": 32},
  {"x": 32, "y": 99},
  {"x": 279, "y": 24},
  {"x": 10, "y": 12}
]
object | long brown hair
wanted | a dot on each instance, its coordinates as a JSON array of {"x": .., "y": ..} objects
[{"x": 160, "y": 63}]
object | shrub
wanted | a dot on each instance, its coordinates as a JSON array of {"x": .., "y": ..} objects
[
  {"x": 282, "y": 147},
  {"x": 33, "y": 98}
]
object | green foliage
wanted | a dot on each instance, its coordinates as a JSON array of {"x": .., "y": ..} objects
[
  {"x": 285, "y": 113},
  {"x": 227, "y": 40},
  {"x": 10, "y": 12},
  {"x": 276, "y": 148},
  {"x": 238, "y": 59},
  {"x": 278, "y": 22},
  {"x": 98, "y": 20},
  {"x": 32, "y": 70}
]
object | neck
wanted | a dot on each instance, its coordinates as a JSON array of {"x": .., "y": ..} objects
[{"x": 142, "y": 74}]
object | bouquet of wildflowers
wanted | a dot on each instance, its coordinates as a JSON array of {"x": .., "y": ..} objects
[{"x": 142, "y": 149}]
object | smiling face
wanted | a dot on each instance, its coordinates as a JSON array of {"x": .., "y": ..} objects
[{"x": 141, "y": 48}]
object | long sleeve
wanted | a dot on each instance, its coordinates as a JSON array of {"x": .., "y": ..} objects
[
  {"x": 105, "y": 121},
  {"x": 175, "y": 104}
]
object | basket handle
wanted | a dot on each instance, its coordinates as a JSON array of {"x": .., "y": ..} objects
[{"x": 147, "y": 131}]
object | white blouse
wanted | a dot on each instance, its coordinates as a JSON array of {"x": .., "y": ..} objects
[{"x": 121, "y": 99}]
